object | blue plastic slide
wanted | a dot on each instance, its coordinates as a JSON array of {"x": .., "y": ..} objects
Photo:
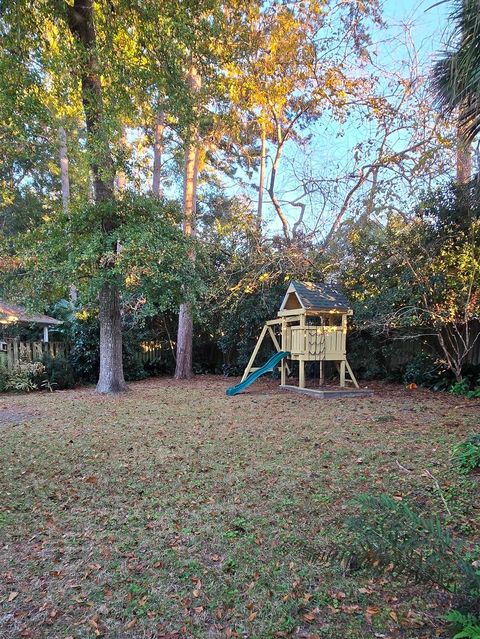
[{"x": 266, "y": 368}]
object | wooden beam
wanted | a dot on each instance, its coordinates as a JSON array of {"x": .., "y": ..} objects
[
  {"x": 303, "y": 349},
  {"x": 329, "y": 393},
  {"x": 342, "y": 373},
  {"x": 301, "y": 373},
  {"x": 327, "y": 311},
  {"x": 275, "y": 342},
  {"x": 254, "y": 354},
  {"x": 352, "y": 376},
  {"x": 295, "y": 311}
]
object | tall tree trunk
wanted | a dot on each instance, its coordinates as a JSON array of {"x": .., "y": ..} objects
[
  {"x": 80, "y": 17},
  {"x": 261, "y": 181},
  {"x": 109, "y": 380},
  {"x": 464, "y": 159},
  {"x": 157, "y": 154},
  {"x": 64, "y": 178},
  {"x": 65, "y": 187},
  {"x": 121, "y": 179},
  {"x": 183, "y": 368}
]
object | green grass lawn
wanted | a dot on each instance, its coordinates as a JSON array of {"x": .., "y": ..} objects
[{"x": 174, "y": 511}]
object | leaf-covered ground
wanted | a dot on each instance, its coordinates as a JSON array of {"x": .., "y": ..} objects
[{"x": 174, "y": 511}]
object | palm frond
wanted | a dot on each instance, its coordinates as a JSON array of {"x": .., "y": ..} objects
[{"x": 456, "y": 76}]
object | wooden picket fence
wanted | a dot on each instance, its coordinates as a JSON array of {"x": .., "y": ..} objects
[
  {"x": 15, "y": 351},
  {"x": 152, "y": 351}
]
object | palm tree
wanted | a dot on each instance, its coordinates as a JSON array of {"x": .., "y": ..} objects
[{"x": 456, "y": 76}]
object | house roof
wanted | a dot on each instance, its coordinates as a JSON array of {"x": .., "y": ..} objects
[
  {"x": 12, "y": 313},
  {"x": 318, "y": 296}
]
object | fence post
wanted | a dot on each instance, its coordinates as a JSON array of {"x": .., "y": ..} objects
[{"x": 10, "y": 355}]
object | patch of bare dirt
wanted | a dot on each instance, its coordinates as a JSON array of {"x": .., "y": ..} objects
[{"x": 8, "y": 417}]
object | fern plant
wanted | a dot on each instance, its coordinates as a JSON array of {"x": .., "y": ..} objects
[
  {"x": 466, "y": 455},
  {"x": 465, "y": 626},
  {"x": 390, "y": 533}
]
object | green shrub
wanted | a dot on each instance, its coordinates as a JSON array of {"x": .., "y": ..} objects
[
  {"x": 471, "y": 373},
  {"x": 425, "y": 370},
  {"x": 469, "y": 386},
  {"x": 164, "y": 366},
  {"x": 465, "y": 626},
  {"x": 460, "y": 388},
  {"x": 3, "y": 379},
  {"x": 58, "y": 372},
  {"x": 466, "y": 455},
  {"x": 84, "y": 356},
  {"x": 365, "y": 355},
  {"x": 49, "y": 374},
  {"x": 133, "y": 369}
]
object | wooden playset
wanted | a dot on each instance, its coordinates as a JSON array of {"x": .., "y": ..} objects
[{"x": 312, "y": 327}]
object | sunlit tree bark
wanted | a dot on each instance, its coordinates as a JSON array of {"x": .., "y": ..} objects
[
  {"x": 157, "y": 154},
  {"x": 261, "y": 179},
  {"x": 64, "y": 177}
]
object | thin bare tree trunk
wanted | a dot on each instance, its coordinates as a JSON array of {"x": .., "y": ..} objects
[
  {"x": 261, "y": 180},
  {"x": 271, "y": 187},
  {"x": 63, "y": 158},
  {"x": 273, "y": 197},
  {"x": 183, "y": 368},
  {"x": 80, "y": 17},
  {"x": 121, "y": 179},
  {"x": 340, "y": 215},
  {"x": 157, "y": 154}
]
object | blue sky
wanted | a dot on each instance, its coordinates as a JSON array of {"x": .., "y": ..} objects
[
  {"x": 430, "y": 20},
  {"x": 429, "y": 27},
  {"x": 427, "y": 13}
]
